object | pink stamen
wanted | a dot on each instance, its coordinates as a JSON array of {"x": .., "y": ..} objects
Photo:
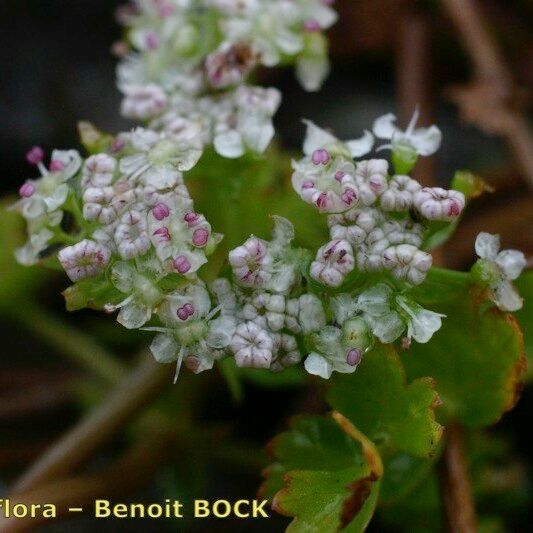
[
  {"x": 307, "y": 185},
  {"x": 200, "y": 237},
  {"x": 182, "y": 264},
  {"x": 35, "y": 155},
  {"x": 27, "y": 190},
  {"x": 161, "y": 211},
  {"x": 311, "y": 25},
  {"x": 183, "y": 314},
  {"x": 320, "y": 157},
  {"x": 117, "y": 145},
  {"x": 152, "y": 41},
  {"x": 56, "y": 166},
  {"x": 339, "y": 175},
  {"x": 353, "y": 357},
  {"x": 189, "y": 309}
]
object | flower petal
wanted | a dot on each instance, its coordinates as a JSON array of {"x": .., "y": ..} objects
[
  {"x": 506, "y": 297},
  {"x": 229, "y": 144},
  {"x": 511, "y": 263},
  {"x": 164, "y": 348},
  {"x": 384, "y": 126},
  {"x": 362, "y": 146},
  {"x": 317, "y": 365},
  {"x": 487, "y": 245},
  {"x": 316, "y": 138}
]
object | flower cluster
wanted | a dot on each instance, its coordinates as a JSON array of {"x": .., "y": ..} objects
[
  {"x": 378, "y": 219},
  {"x": 124, "y": 227},
  {"x": 185, "y": 64}
]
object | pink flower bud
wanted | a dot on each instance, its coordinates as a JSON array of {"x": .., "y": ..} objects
[
  {"x": 349, "y": 196},
  {"x": 27, "y": 190},
  {"x": 191, "y": 219},
  {"x": 163, "y": 233},
  {"x": 161, "y": 211},
  {"x": 200, "y": 237},
  {"x": 35, "y": 155},
  {"x": 56, "y": 166},
  {"x": 182, "y": 264}
]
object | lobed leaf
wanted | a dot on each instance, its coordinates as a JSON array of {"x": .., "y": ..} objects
[{"x": 395, "y": 415}]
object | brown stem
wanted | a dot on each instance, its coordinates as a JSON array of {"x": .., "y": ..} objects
[
  {"x": 455, "y": 483},
  {"x": 413, "y": 78},
  {"x": 492, "y": 100},
  {"x": 132, "y": 471},
  {"x": 100, "y": 425}
]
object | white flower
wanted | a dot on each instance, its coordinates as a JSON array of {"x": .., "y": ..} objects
[
  {"x": 399, "y": 195},
  {"x": 407, "y": 262},
  {"x": 97, "y": 204},
  {"x": 187, "y": 315},
  {"x": 244, "y": 121},
  {"x": 159, "y": 159},
  {"x": 143, "y": 295},
  {"x": 327, "y": 184},
  {"x": 252, "y": 346},
  {"x": 50, "y": 192},
  {"x": 179, "y": 235},
  {"x": 98, "y": 171},
  {"x": 498, "y": 269},
  {"x": 354, "y": 225},
  {"x": 131, "y": 235},
  {"x": 421, "y": 323},
  {"x": 423, "y": 141},
  {"x": 83, "y": 260},
  {"x": 252, "y": 263},
  {"x": 435, "y": 203},
  {"x": 39, "y": 238},
  {"x": 266, "y": 310},
  {"x": 286, "y": 352},
  {"x": 331, "y": 354},
  {"x": 143, "y": 102},
  {"x": 371, "y": 178},
  {"x": 388, "y": 315},
  {"x": 333, "y": 262}
]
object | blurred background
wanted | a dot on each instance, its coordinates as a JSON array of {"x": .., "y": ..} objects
[{"x": 387, "y": 55}]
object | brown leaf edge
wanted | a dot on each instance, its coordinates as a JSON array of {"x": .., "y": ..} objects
[{"x": 359, "y": 489}]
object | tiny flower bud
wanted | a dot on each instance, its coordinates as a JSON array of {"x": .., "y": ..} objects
[
  {"x": 161, "y": 211},
  {"x": 152, "y": 41},
  {"x": 182, "y": 264},
  {"x": 311, "y": 25},
  {"x": 200, "y": 237}
]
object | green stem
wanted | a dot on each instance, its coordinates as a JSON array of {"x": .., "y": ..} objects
[{"x": 70, "y": 341}]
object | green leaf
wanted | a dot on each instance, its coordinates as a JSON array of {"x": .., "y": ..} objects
[
  {"x": 525, "y": 317},
  {"x": 476, "y": 358},
  {"x": 326, "y": 475},
  {"x": 395, "y": 415},
  {"x": 17, "y": 281}
]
